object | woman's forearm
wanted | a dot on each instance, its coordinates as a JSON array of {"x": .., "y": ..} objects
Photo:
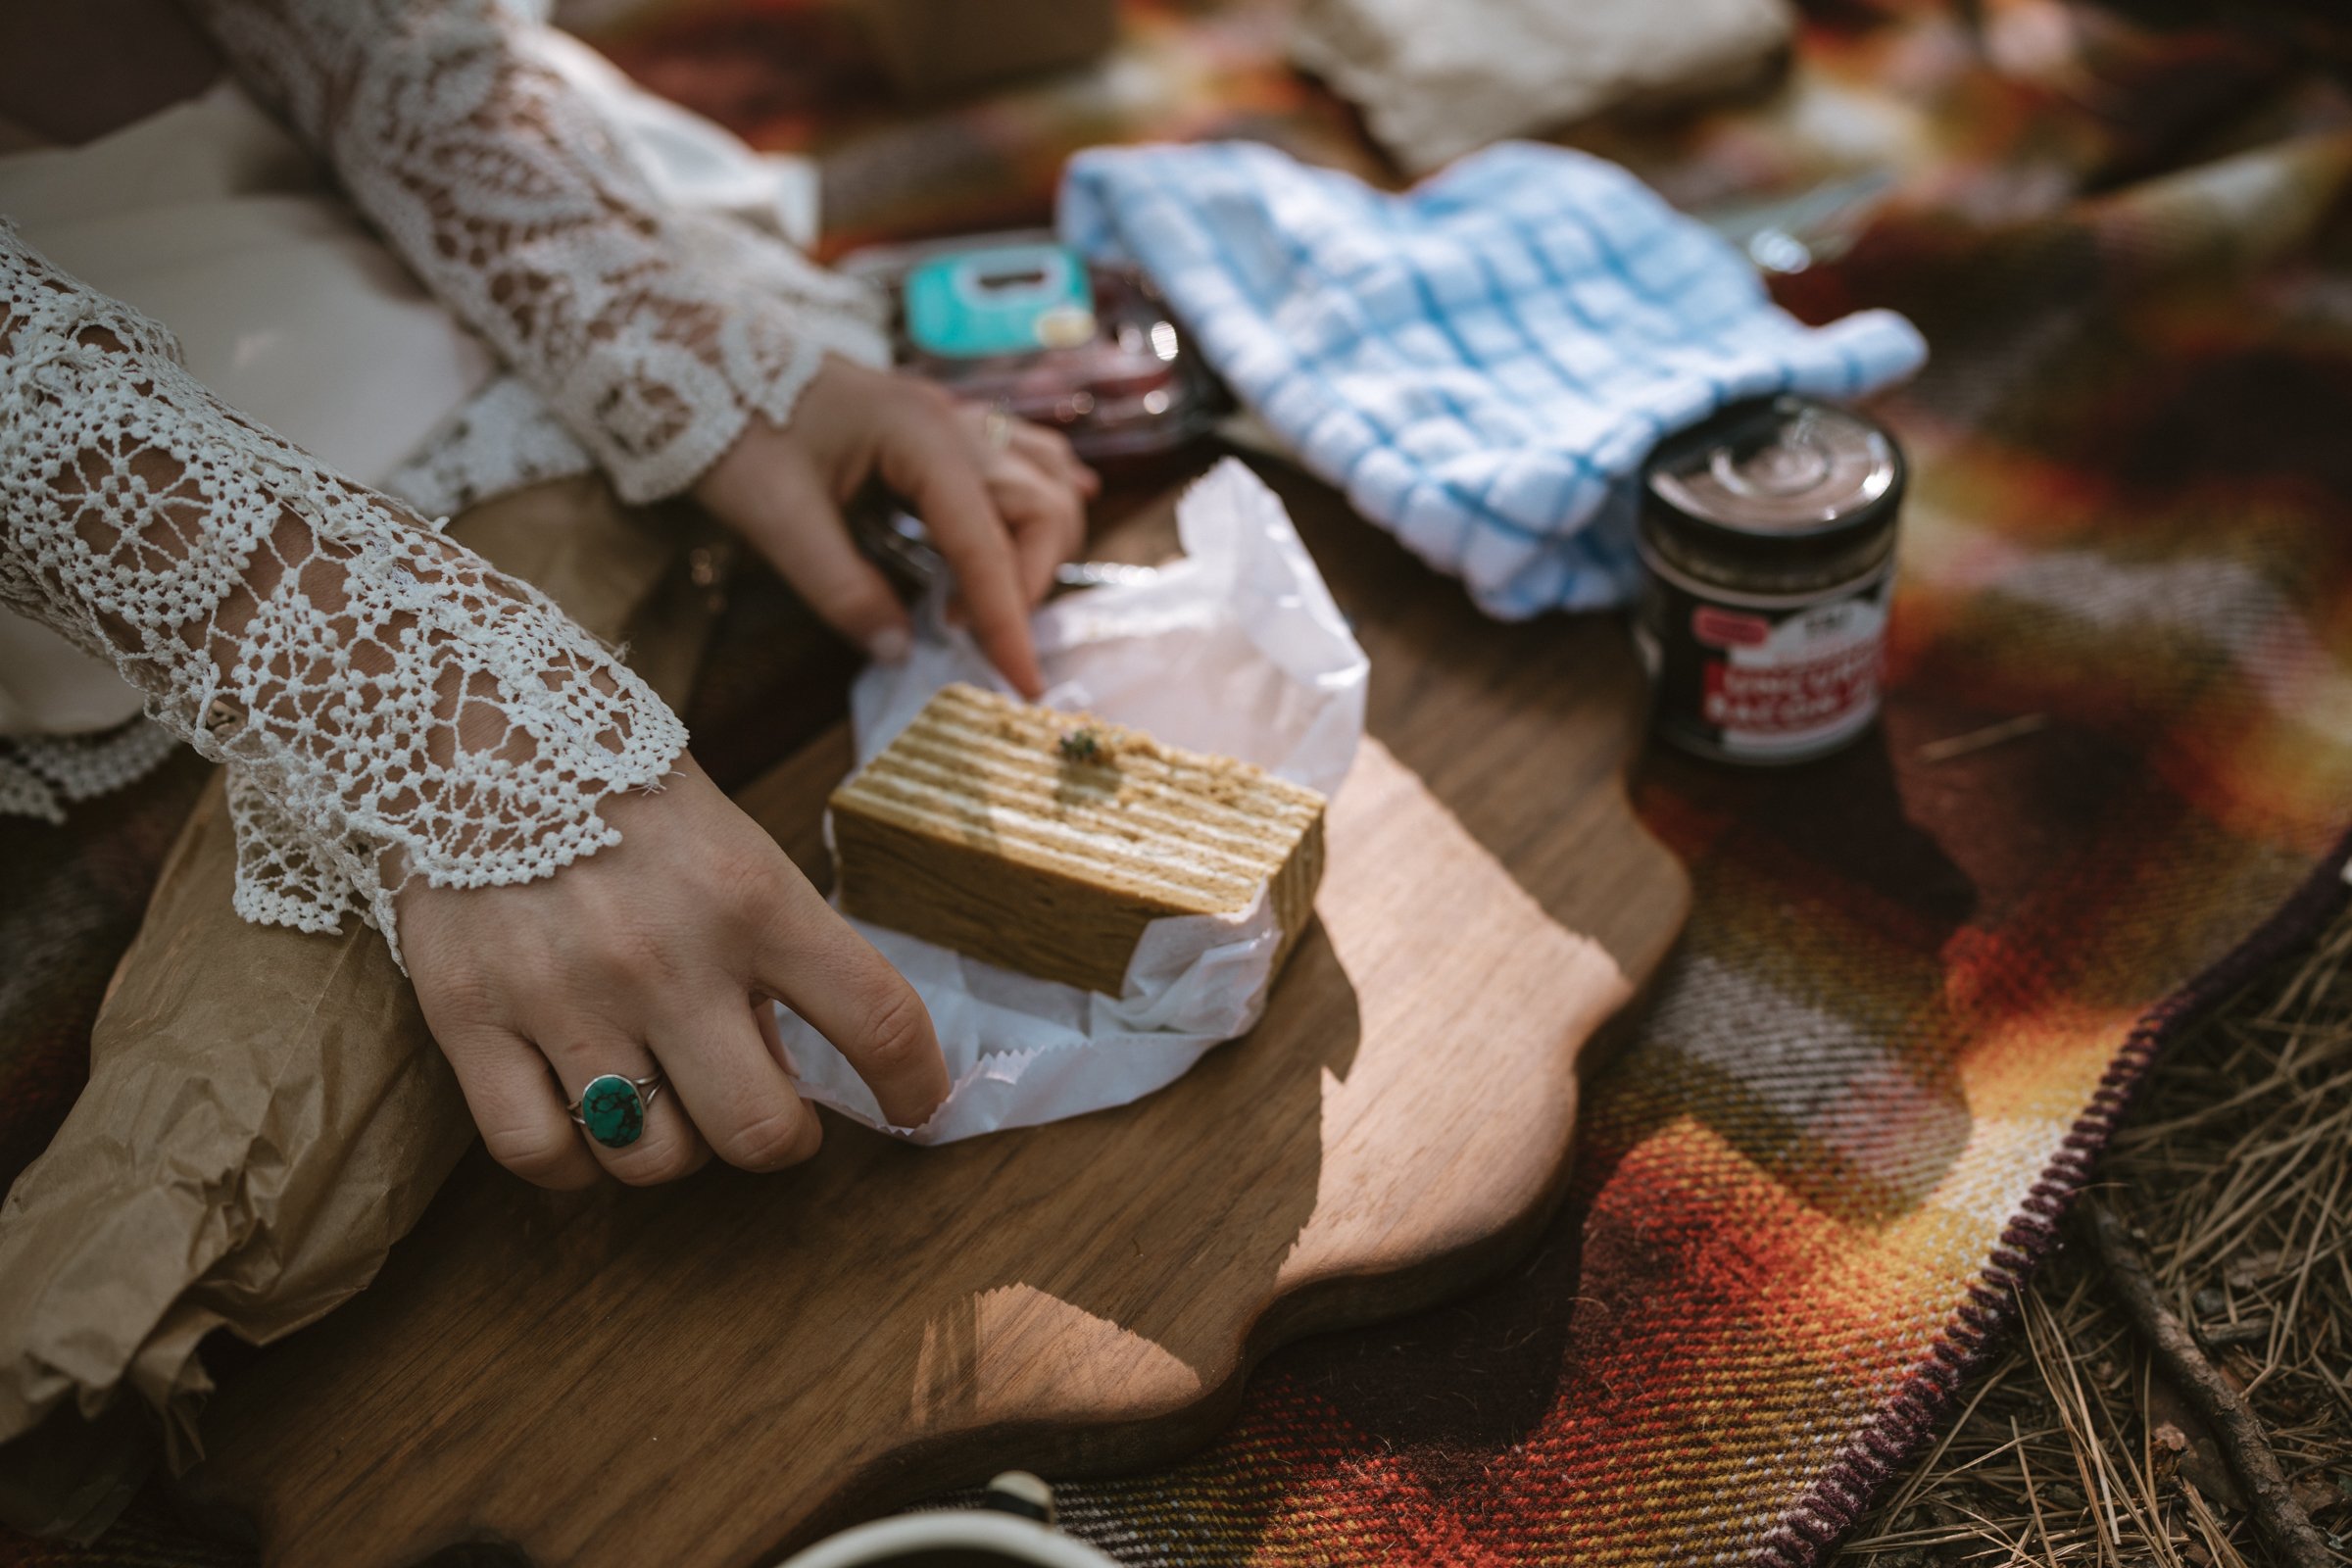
[
  {"x": 655, "y": 335},
  {"x": 389, "y": 705}
]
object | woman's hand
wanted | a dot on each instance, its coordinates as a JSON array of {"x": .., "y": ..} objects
[
  {"x": 1004, "y": 503},
  {"x": 658, "y": 953},
  {"x": 661, "y": 953}
]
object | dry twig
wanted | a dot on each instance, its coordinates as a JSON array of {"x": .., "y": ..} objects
[
  {"x": 2238, "y": 1160},
  {"x": 2285, "y": 1527}
]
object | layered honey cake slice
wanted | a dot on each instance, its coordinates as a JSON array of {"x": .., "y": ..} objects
[{"x": 1046, "y": 842}]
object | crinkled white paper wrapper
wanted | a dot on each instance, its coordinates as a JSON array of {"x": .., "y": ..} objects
[{"x": 1236, "y": 649}]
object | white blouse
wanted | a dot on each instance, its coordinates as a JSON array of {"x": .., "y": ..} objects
[{"x": 510, "y": 267}]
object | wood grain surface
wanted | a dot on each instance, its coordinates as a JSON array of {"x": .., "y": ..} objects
[{"x": 708, "y": 1373}]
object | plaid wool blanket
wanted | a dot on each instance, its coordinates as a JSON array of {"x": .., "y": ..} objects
[{"x": 1922, "y": 979}]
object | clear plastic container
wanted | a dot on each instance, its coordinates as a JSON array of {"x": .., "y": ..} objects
[{"x": 1023, "y": 324}]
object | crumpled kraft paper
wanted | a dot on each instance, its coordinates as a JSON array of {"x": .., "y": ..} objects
[
  {"x": 1234, "y": 647},
  {"x": 266, "y": 1111}
]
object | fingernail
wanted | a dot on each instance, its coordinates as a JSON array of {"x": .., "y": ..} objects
[{"x": 890, "y": 646}]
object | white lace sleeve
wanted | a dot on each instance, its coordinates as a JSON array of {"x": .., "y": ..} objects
[
  {"x": 388, "y": 704},
  {"x": 654, "y": 333}
]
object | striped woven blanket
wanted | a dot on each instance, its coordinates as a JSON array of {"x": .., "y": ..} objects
[{"x": 1921, "y": 980}]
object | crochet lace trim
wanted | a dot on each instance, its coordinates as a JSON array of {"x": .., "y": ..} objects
[
  {"x": 388, "y": 705},
  {"x": 40, "y": 775},
  {"x": 652, "y": 333}
]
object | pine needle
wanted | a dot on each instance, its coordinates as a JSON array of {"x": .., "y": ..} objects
[{"x": 2238, "y": 1168}]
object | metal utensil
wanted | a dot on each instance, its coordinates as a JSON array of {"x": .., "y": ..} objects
[{"x": 900, "y": 543}]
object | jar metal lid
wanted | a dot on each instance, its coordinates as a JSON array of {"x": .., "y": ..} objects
[{"x": 1775, "y": 473}]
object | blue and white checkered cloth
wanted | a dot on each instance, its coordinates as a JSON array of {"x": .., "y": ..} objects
[{"x": 1481, "y": 363}]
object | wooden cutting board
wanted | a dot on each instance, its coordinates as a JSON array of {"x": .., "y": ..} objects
[{"x": 711, "y": 1372}]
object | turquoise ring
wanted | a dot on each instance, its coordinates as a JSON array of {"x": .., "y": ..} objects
[{"x": 611, "y": 1108}]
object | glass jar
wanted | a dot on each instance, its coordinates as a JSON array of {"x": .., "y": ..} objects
[{"x": 1766, "y": 537}]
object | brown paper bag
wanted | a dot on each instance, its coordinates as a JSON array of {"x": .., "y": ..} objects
[{"x": 266, "y": 1112}]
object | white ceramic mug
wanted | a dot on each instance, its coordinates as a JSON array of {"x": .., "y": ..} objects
[{"x": 961, "y": 1537}]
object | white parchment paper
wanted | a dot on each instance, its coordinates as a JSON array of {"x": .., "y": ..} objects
[{"x": 1236, "y": 647}]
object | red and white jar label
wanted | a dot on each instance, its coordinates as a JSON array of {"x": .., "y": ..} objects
[{"x": 1763, "y": 682}]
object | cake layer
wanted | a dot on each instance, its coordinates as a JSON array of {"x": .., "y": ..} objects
[{"x": 1046, "y": 842}]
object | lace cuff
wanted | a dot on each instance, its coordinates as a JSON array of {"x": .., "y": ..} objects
[
  {"x": 653, "y": 334},
  {"x": 388, "y": 704}
]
